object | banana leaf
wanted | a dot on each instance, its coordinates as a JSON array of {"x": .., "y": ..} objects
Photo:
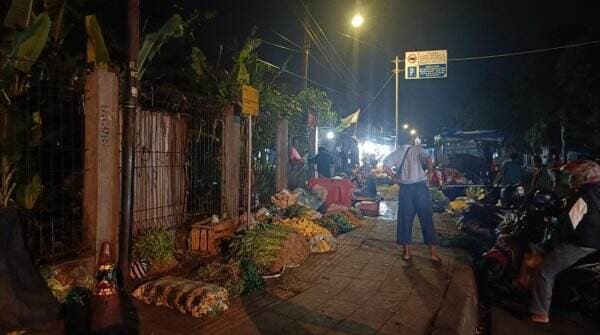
[
  {"x": 96, "y": 48},
  {"x": 199, "y": 63},
  {"x": 56, "y": 11},
  {"x": 29, "y": 43},
  {"x": 241, "y": 74},
  {"x": 28, "y": 195},
  {"x": 18, "y": 14},
  {"x": 173, "y": 28}
]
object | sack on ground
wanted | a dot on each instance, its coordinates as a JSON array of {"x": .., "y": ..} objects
[{"x": 191, "y": 297}]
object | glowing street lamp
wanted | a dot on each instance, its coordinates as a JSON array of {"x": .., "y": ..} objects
[
  {"x": 330, "y": 135},
  {"x": 413, "y": 132},
  {"x": 357, "y": 20},
  {"x": 405, "y": 126}
]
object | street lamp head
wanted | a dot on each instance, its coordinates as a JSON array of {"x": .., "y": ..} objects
[
  {"x": 413, "y": 132},
  {"x": 330, "y": 135},
  {"x": 357, "y": 20},
  {"x": 405, "y": 126}
]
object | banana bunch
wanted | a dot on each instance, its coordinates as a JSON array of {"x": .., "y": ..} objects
[{"x": 306, "y": 227}]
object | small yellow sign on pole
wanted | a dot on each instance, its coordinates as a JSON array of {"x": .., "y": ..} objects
[{"x": 249, "y": 100}]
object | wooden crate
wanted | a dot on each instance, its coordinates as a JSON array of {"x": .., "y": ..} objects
[{"x": 204, "y": 237}]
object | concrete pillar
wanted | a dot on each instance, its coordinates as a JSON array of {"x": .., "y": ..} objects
[
  {"x": 282, "y": 149},
  {"x": 230, "y": 171},
  {"x": 101, "y": 200}
]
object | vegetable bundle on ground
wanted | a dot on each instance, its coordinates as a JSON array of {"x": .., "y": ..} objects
[
  {"x": 266, "y": 249},
  {"x": 320, "y": 239},
  {"x": 340, "y": 223}
]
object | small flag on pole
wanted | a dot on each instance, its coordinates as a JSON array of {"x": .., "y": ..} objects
[{"x": 348, "y": 120}]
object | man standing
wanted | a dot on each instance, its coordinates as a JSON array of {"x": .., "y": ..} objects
[
  {"x": 511, "y": 172},
  {"x": 324, "y": 162},
  {"x": 414, "y": 197},
  {"x": 580, "y": 235},
  {"x": 542, "y": 179}
]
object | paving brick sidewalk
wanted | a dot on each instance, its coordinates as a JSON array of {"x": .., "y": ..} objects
[{"x": 362, "y": 288}]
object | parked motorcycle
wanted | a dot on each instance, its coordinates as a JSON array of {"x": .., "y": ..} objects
[
  {"x": 499, "y": 205},
  {"x": 510, "y": 264}
]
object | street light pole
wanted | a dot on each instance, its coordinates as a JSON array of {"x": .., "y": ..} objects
[{"x": 396, "y": 71}]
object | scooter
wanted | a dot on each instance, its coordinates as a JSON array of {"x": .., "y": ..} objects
[
  {"x": 510, "y": 265},
  {"x": 500, "y": 205}
]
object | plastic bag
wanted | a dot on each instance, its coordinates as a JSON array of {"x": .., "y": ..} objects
[{"x": 312, "y": 199}]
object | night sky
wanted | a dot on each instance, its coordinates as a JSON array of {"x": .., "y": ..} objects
[{"x": 464, "y": 27}]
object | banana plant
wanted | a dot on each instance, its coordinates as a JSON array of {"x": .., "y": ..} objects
[
  {"x": 96, "y": 47},
  {"x": 173, "y": 28},
  {"x": 16, "y": 63},
  {"x": 27, "y": 46}
]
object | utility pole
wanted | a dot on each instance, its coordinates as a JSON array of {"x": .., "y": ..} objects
[
  {"x": 313, "y": 132},
  {"x": 128, "y": 152},
  {"x": 396, "y": 71},
  {"x": 306, "y": 54}
]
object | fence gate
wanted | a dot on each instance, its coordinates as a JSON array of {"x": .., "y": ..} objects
[{"x": 204, "y": 158}]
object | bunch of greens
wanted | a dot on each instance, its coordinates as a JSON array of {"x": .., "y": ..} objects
[
  {"x": 154, "y": 245},
  {"x": 329, "y": 224},
  {"x": 475, "y": 193},
  {"x": 437, "y": 195},
  {"x": 228, "y": 276},
  {"x": 260, "y": 245},
  {"x": 344, "y": 225},
  {"x": 256, "y": 250}
]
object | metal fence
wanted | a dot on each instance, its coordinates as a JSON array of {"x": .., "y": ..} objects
[
  {"x": 178, "y": 160},
  {"x": 204, "y": 159},
  {"x": 52, "y": 150},
  {"x": 159, "y": 170}
]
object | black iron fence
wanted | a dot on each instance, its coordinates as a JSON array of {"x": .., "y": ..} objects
[
  {"x": 179, "y": 151},
  {"x": 204, "y": 159},
  {"x": 49, "y": 169}
]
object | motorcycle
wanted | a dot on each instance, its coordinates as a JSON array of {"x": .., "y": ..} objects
[
  {"x": 509, "y": 266},
  {"x": 499, "y": 205}
]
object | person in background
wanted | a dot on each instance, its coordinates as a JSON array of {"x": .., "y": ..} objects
[
  {"x": 579, "y": 236},
  {"x": 543, "y": 179},
  {"x": 414, "y": 196},
  {"x": 324, "y": 162},
  {"x": 511, "y": 172}
]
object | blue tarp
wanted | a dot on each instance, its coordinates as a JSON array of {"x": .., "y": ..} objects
[{"x": 481, "y": 135}]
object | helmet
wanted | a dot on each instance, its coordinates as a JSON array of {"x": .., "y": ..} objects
[{"x": 582, "y": 172}]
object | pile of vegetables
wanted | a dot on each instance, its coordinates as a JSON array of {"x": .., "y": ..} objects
[
  {"x": 344, "y": 222},
  {"x": 437, "y": 195},
  {"x": 259, "y": 245},
  {"x": 62, "y": 284},
  {"x": 475, "y": 193},
  {"x": 305, "y": 227},
  {"x": 302, "y": 212},
  {"x": 458, "y": 205},
  {"x": 328, "y": 223},
  {"x": 157, "y": 247}
]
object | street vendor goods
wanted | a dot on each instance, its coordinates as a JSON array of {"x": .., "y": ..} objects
[
  {"x": 269, "y": 247},
  {"x": 306, "y": 227},
  {"x": 319, "y": 238},
  {"x": 186, "y": 296},
  {"x": 303, "y": 212},
  {"x": 284, "y": 199}
]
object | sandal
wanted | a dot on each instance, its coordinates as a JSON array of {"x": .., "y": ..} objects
[{"x": 543, "y": 319}]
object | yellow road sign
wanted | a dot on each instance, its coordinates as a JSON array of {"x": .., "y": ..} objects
[{"x": 249, "y": 100}]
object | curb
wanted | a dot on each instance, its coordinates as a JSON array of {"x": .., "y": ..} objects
[{"x": 458, "y": 313}]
